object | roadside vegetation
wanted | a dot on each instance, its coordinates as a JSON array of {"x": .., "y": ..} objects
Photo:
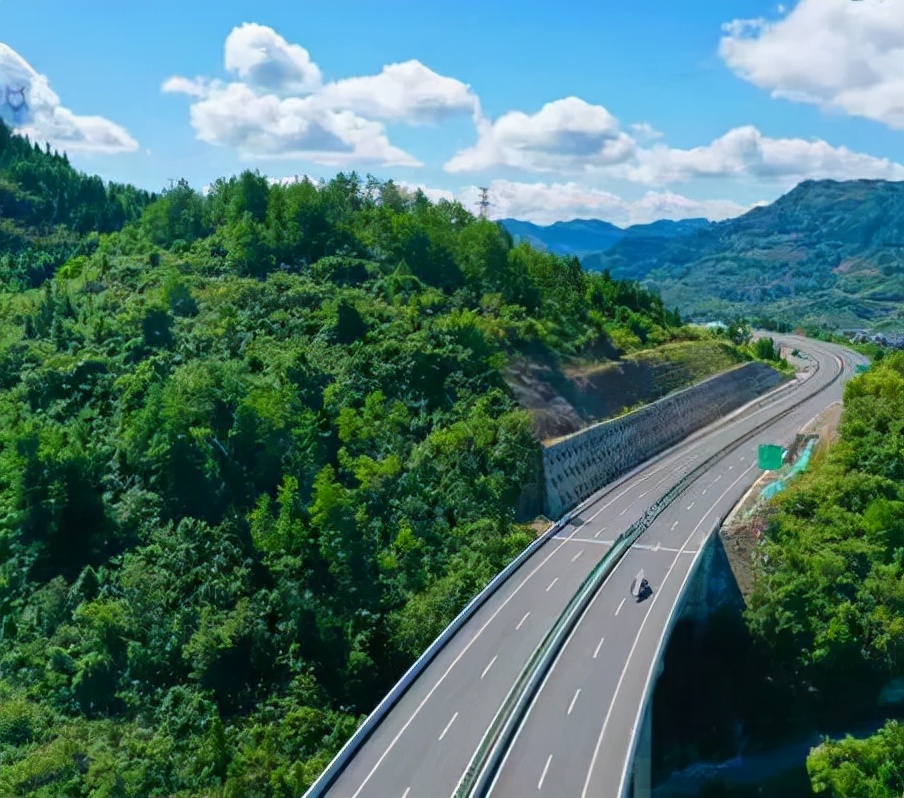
[{"x": 828, "y": 598}]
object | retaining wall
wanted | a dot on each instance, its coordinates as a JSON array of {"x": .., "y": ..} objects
[{"x": 581, "y": 464}]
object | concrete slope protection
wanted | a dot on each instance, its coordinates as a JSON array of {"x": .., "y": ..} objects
[
  {"x": 577, "y": 465},
  {"x": 423, "y": 745},
  {"x": 579, "y": 733}
]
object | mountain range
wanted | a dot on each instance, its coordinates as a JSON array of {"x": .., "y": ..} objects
[
  {"x": 583, "y": 237},
  {"x": 828, "y": 253}
]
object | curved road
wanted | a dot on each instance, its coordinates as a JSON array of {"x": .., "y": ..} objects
[
  {"x": 578, "y": 736},
  {"x": 422, "y": 748}
]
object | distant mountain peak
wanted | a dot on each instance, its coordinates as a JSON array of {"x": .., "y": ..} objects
[{"x": 586, "y": 236}]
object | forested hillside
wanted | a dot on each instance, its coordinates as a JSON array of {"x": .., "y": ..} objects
[
  {"x": 828, "y": 600},
  {"x": 47, "y": 210},
  {"x": 827, "y": 252},
  {"x": 256, "y": 450}
]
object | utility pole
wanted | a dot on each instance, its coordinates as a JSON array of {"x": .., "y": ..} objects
[
  {"x": 484, "y": 202},
  {"x": 171, "y": 180}
]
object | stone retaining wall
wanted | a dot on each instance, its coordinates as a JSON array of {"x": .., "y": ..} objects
[{"x": 581, "y": 464}]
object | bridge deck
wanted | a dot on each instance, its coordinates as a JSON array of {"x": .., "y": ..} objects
[{"x": 577, "y": 738}]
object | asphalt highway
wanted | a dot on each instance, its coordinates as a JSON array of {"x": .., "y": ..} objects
[
  {"x": 577, "y": 737},
  {"x": 425, "y": 743}
]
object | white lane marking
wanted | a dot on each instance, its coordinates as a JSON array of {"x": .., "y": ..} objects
[
  {"x": 674, "y": 525},
  {"x": 658, "y": 545},
  {"x": 454, "y": 662},
  {"x": 577, "y": 555},
  {"x": 731, "y": 468},
  {"x": 543, "y": 775},
  {"x": 643, "y": 623},
  {"x": 571, "y": 705},
  {"x": 625, "y": 510},
  {"x": 603, "y": 529},
  {"x": 405, "y": 794},
  {"x": 598, "y": 647},
  {"x": 448, "y": 725},
  {"x": 717, "y": 479},
  {"x": 627, "y": 490},
  {"x": 521, "y": 622},
  {"x": 641, "y": 495},
  {"x": 551, "y": 584},
  {"x": 691, "y": 506},
  {"x": 487, "y": 668},
  {"x": 706, "y": 489},
  {"x": 591, "y": 540},
  {"x": 622, "y": 604}
]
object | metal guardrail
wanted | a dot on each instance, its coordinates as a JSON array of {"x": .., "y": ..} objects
[
  {"x": 323, "y": 783},
  {"x": 326, "y": 779},
  {"x": 487, "y": 758}
]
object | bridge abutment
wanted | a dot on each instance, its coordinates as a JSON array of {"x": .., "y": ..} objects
[{"x": 694, "y": 700}]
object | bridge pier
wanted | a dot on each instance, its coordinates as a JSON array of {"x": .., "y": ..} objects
[{"x": 643, "y": 756}]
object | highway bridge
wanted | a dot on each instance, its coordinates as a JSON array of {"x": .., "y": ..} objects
[{"x": 578, "y": 734}]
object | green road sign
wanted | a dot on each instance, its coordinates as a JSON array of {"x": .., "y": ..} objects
[{"x": 771, "y": 457}]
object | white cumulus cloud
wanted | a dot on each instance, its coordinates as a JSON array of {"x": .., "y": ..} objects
[
  {"x": 745, "y": 152},
  {"x": 278, "y": 106},
  {"x": 839, "y": 54},
  {"x": 267, "y": 126},
  {"x": 564, "y": 135},
  {"x": 265, "y": 60},
  {"x": 407, "y": 92},
  {"x": 31, "y": 107}
]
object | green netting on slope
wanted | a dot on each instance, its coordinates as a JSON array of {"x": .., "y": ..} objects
[{"x": 802, "y": 462}]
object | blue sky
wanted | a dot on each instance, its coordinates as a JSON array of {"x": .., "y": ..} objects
[{"x": 626, "y": 110}]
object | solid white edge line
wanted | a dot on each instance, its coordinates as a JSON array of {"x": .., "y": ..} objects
[{"x": 643, "y": 623}]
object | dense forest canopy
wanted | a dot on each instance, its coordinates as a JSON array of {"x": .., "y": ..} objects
[
  {"x": 50, "y": 212},
  {"x": 828, "y": 601},
  {"x": 256, "y": 450}
]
